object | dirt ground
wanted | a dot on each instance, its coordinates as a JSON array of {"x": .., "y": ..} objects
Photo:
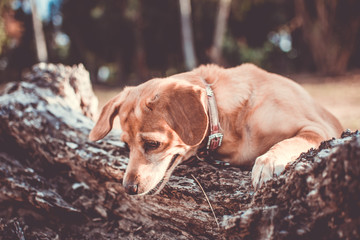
[{"x": 340, "y": 95}]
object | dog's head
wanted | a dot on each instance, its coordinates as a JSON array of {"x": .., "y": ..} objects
[{"x": 162, "y": 121}]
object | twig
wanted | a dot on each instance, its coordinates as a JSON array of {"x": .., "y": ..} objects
[{"x": 207, "y": 199}]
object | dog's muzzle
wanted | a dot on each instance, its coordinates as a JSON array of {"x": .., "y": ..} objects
[
  {"x": 132, "y": 187},
  {"x": 161, "y": 184}
]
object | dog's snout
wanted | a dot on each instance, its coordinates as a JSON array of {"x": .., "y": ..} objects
[{"x": 131, "y": 188}]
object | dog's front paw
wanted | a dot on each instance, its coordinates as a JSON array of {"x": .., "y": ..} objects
[{"x": 265, "y": 168}]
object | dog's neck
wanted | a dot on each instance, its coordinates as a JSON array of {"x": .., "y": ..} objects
[{"x": 215, "y": 137}]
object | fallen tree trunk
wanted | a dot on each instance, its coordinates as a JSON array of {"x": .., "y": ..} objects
[{"x": 56, "y": 183}]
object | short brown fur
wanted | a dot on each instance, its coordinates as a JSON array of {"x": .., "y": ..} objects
[{"x": 267, "y": 121}]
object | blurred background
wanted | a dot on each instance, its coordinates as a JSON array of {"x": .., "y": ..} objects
[{"x": 126, "y": 42}]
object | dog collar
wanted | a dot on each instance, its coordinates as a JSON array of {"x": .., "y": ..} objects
[{"x": 215, "y": 138}]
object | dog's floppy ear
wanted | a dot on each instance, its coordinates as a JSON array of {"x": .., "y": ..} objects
[
  {"x": 105, "y": 122},
  {"x": 185, "y": 113}
]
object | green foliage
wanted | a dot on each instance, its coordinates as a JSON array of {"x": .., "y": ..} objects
[
  {"x": 238, "y": 51},
  {"x": 240, "y": 9},
  {"x": 139, "y": 39}
]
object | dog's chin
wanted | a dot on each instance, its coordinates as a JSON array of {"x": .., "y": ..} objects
[{"x": 161, "y": 184}]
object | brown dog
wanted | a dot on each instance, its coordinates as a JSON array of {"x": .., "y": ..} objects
[{"x": 267, "y": 121}]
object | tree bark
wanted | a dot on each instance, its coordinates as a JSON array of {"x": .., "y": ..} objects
[{"x": 55, "y": 183}]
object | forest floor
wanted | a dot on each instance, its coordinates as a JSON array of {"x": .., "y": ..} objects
[{"x": 340, "y": 95}]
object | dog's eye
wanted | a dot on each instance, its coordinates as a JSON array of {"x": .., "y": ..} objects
[{"x": 151, "y": 145}]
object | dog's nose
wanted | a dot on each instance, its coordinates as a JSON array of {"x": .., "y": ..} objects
[{"x": 131, "y": 189}]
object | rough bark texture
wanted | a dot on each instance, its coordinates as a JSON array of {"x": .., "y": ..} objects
[{"x": 55, "y": 184}]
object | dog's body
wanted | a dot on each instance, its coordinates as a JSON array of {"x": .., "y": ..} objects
[{"x": 267, "y": 121}]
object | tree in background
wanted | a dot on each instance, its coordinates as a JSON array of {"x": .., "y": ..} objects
[
  {"x": 10, "y": 29},
  {"x": 330, "y": 28},
  {"x": 39, "y": 35},
  {"x": 99, "y": 34},
  {"x": 220, "y": 30},
  {"x": 11, "y": 35},
  {"x": 127, "y": 42},
  {"x": 136, "y": 11},
  {"x": 187, "y": 36}
]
